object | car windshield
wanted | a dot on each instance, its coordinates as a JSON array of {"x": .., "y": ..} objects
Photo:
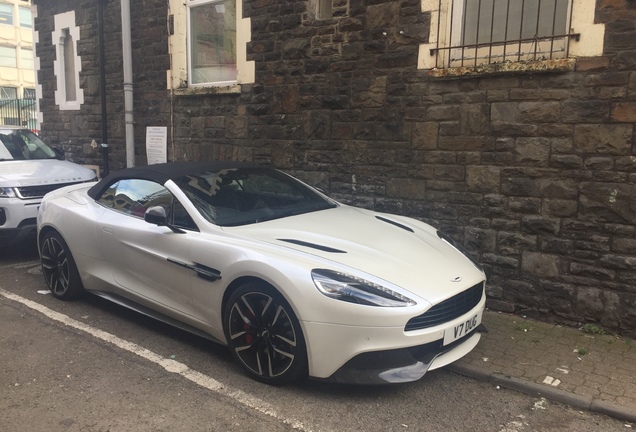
[
  {"x": 22, "y": 144},
  {"x": 244, "y": 196}
]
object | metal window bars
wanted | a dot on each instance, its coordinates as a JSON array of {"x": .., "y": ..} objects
[
  {"x": 497, "y": 31},
  {"x": 19, "y": 112}
]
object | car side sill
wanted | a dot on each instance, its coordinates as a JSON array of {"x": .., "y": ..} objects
[{"x": 129, "y": 304}]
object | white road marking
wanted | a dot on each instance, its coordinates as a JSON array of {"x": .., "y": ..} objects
[
  {"x": 514, "y": 426},
  {"x": 21, "y": 265},
  {"x": 168, "y": 364},
  {"x": 551, "y": 381}
]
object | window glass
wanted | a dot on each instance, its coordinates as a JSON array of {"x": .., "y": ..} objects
[
  {"x": 503, "y": 20},
  {"x": 8, "y": 93},
  {"x": 22, "y": 144},
  {"x": 249, "y": 195},
  {"x": 324, "y": 9},
  {"x": 6, "y": 14},
  {"x": 8, "y": 57},
  {"x": 135, "y": 196},
  {"x": 28, "y": 93},
  {"x": 25, "y": 18},
  {"x": 181, "y": 218},
  {"x": 68, "y": 51},
  {"x": 26, "y": 59},
  {"x": 470, "y": 33},
  {"x": 212, "y": 41},
  {"x": 108, "y": 196},
  {"x": 494, "y": 31}
]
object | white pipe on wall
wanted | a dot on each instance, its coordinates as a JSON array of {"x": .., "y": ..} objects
[{"x": 128, "y": 82}]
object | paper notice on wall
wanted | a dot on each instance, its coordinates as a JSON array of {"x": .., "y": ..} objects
[{"x": 157, "y": 144}]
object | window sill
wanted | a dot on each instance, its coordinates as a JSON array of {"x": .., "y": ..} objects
[
  {"x": 212, "y": 90},
  {"x": 540, "y": 66}
]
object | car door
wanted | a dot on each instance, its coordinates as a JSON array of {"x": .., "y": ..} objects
[{"x": 141, "y": 255}]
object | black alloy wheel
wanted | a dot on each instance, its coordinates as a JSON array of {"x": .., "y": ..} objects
[
  {"x": 58, "y": 267},
  {"x": 264, "y": 336}
]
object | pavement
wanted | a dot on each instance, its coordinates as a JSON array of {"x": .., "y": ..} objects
[{"x": 585, "y": 368}]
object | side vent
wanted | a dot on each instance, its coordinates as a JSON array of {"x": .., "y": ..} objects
[
  {"x": 397, "y": 224},
  {"x": 313, "y": 246}
]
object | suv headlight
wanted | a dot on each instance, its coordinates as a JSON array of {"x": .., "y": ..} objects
[
  {"x": 355, "y": 290},
  {"x": 7, "y": 192}
]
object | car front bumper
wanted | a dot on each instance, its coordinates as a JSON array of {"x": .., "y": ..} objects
[
  {"x": 17, "y": 220},
  {"x": 385, "y": 355},
  {"x": 403, "y": 364}
]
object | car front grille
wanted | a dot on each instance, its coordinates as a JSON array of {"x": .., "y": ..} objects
[
  {"x": 30, "y": 192},
  {"x": 448, "y": 310}
]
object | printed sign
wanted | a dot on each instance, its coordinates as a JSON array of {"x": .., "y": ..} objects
[{"x": 157, "y": 144}]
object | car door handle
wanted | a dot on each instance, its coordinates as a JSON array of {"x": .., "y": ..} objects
[{"x": 107, "y": 230}]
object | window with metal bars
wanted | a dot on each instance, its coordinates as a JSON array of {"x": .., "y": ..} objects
[{"x": 477, "y": 32}]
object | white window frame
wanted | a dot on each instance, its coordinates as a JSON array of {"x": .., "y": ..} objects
[
  {"x": 66, "y": 21},
  {"x": 589, "y": 44},
  {"x": 179, "y": 46}
]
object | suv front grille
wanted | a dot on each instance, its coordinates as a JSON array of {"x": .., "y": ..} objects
[
  {"x": 30, "y": 192},
  {"x": 448, "y": 310}
]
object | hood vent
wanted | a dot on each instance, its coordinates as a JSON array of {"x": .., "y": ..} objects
[
  {"x": 313, "y": 246},
  {"x": 397, "y": 224}
]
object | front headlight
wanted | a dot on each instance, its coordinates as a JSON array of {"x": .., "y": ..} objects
[
  {"x": 355, "y": 290},
  {"x": 7, "y": 193}
]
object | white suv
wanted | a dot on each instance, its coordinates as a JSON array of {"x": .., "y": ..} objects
[{"x": 29, "y": 169}]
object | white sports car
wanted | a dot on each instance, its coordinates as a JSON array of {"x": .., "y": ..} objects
[{"x": 295, "y": 283}]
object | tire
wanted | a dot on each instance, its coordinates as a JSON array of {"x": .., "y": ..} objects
[
  {"x": 264, "y": 335},
  {"x": 59, "y": 268}
]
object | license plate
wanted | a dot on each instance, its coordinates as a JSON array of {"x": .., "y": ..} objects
[{"x": 460, "y": 330}]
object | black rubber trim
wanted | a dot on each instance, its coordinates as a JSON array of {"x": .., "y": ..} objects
[
  {"x": 204, "y": 272},
  {"x": 397, "y": 224},
  {"x": 313, "y": 246}
]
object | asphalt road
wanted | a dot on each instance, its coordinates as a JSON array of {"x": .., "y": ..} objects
[{"x": 90, "y": 365}]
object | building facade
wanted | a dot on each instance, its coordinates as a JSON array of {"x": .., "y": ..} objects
[
  {"x": 511, "y": 125},
  {"x": 17, "y": 67}
]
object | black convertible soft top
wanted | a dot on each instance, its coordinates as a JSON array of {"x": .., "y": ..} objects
[{"x": 161, "y": 173}]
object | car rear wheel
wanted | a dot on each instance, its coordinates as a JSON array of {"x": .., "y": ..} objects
[
  {"x": 58, "y": 267},
  {"x": 264, "y": 335}
]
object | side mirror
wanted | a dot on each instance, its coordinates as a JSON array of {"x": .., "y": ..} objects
[{"x": 156, "y": 215}]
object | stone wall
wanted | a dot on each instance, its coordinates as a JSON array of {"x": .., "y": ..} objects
[
  {"x": 534, "y": 172},
  {"x": 78, "y": 132}
]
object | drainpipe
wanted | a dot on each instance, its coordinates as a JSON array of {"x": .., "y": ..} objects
[
  {"x": 128, "y": 82},
  {"x": 102, "y": 84}
]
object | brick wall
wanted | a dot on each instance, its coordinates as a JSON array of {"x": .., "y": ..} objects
[{"x": 535, "y": 173}]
